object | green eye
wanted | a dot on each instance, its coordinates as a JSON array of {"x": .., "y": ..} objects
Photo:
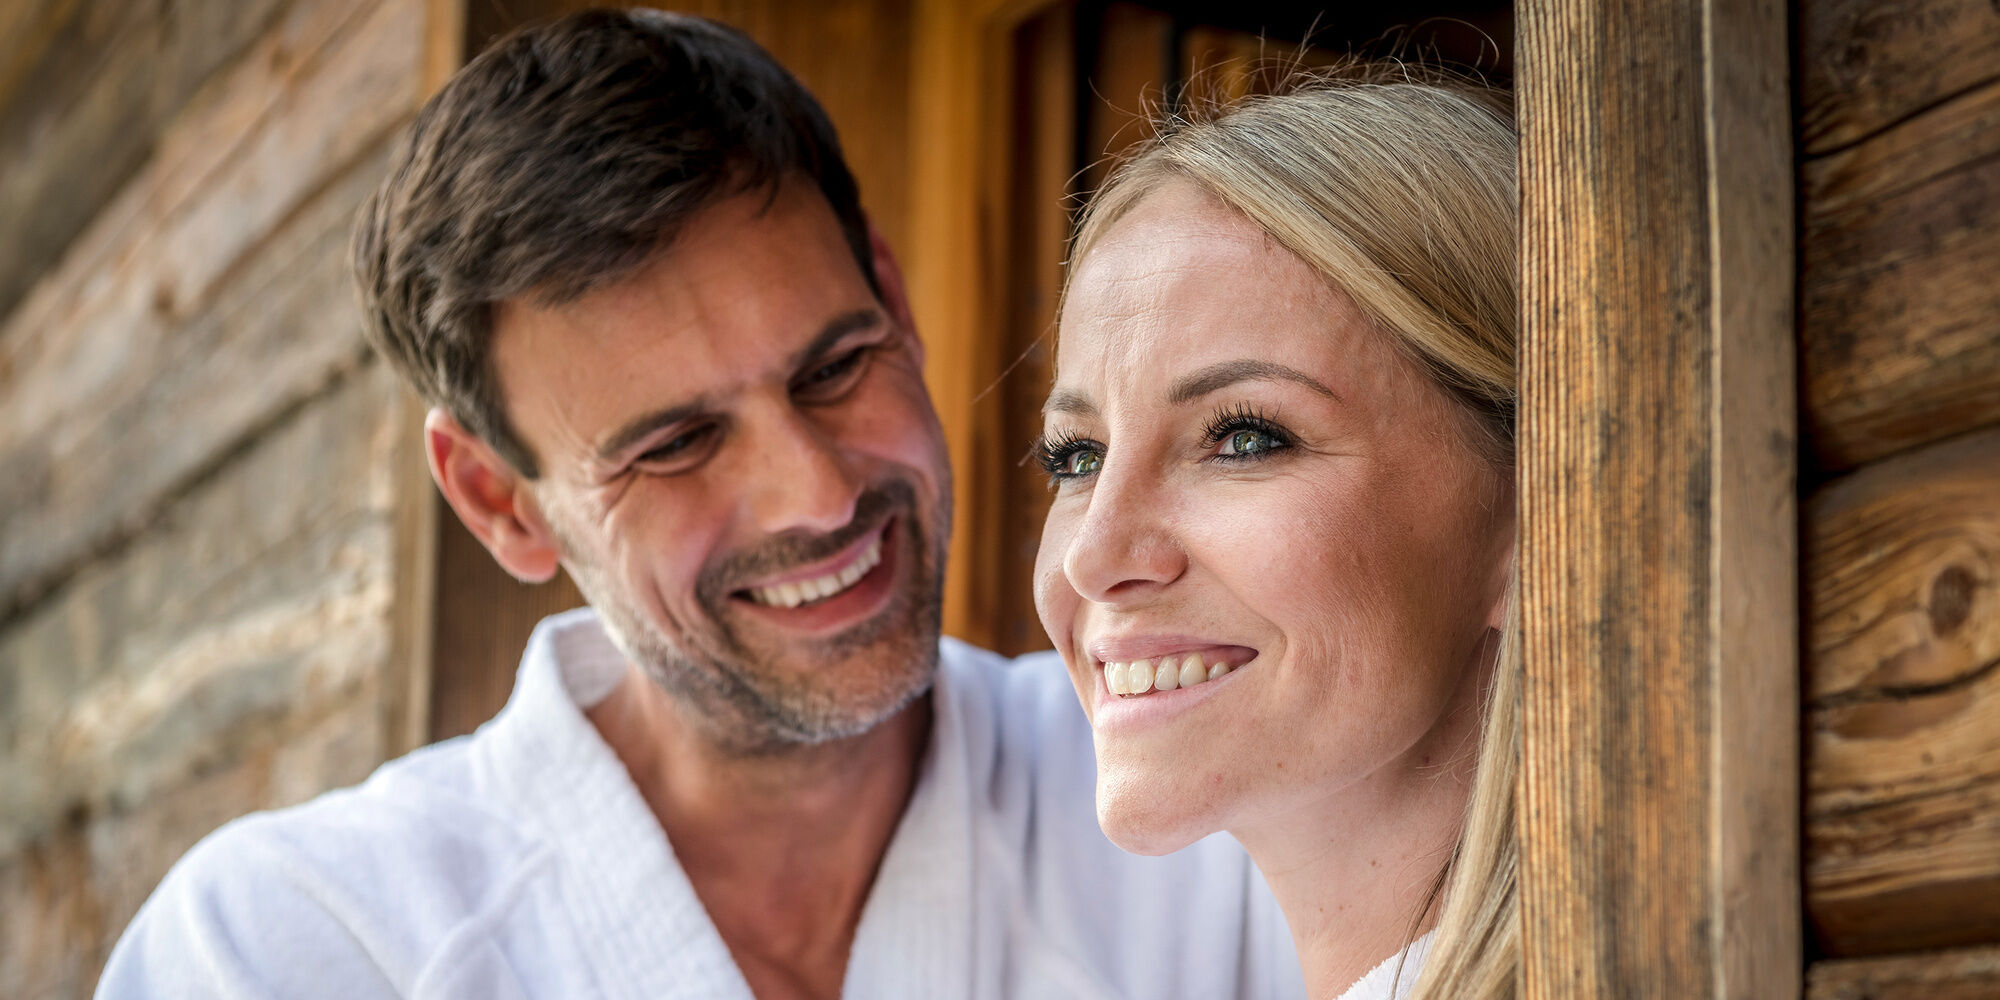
[
  {"x": 1246, "y": 443},
  {"x": 1084, "y": 463}
]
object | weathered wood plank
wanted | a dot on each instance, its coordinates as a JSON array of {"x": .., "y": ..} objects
[
  {"x": 66, "y": 897},
  {"x": 1901, "y": 315},
  {"x": 1970, "y": 974},
  {"x": 160, "y": 291},
  {"x": 263, "y": 596},
  {"x": 1866, "y": 65},
  {"x": 1902, "y": 569},
  {"x": 1658, "y": 561},
  {"x": 85, "y": 91}
]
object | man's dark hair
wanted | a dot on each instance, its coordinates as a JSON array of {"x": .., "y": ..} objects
[{"x": 558, "y": 161}]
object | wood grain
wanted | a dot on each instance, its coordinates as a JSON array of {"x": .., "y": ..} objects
[
  {"x": 1865, "y": 66},
  {"x": 86, "y": 90},
  {"x": 1969, "y": 974},
  {"x": 1658, "y": 793},
  {"x": 1900, "y": 339},
  {"x": 151, "y": 302},
  {"x": 958, "y": 202},
  {"x": 263, "y": 598},
  {"x": 1902, "y": 569}
]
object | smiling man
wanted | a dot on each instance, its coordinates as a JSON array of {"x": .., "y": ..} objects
[{"x": 621, "y": 256}]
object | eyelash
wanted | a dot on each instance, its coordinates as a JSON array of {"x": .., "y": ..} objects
[
  {"x": 1244, "y": 418},
  {"x": 1054, "y": 453},
  {"x": 842, "y": 365}
]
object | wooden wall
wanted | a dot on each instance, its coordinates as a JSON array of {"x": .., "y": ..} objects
[
  {"x": 204, "y": 603},
  {"x": 1899, "y": 248}
]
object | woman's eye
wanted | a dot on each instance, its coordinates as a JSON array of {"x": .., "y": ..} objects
[
  {"x": 1247, "y": 442},
  {"x": 1244, "y": 435},
  {"x": 1084, "y": 463},
  {"x": 1066, "y": 457}
]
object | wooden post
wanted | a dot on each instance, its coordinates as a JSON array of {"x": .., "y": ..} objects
[{"x": 1659, "y": 787}]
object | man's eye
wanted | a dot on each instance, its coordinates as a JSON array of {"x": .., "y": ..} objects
[
  {"x": 828, "y": 379},
  {"x": 682, "y": 447}
]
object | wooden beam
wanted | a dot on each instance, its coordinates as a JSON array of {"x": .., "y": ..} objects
[
  {"x": 1900, "y": 315},
  {"x": 1902, "y": 806},
  {"x": 1971, "y": 974},
  {"x": 1865, "y": 66},
  {"x": 1659, "y": 788},
  {"x": 957, "y": 200}
]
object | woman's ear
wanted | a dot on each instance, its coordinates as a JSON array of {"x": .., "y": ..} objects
[{"x": 493, "y": 500}]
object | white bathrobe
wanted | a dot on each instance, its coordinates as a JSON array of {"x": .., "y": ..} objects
[{"x": 522, "y": 862}]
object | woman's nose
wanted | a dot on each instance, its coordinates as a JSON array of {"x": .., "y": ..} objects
[
  {"x": 802, "y": 481},
  {"x": 1123, "y": 549}
]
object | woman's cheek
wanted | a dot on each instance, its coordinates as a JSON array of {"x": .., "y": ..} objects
[{"x": 1055, "y": 599}]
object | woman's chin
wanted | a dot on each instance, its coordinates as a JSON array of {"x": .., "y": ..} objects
[{"x": 1142, "y": 817}]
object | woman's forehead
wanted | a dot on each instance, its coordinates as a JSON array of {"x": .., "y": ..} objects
[{"x": 1170, "y": 294}]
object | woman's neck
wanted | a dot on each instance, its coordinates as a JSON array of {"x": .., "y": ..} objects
[{"x": 1353, "y": 869}]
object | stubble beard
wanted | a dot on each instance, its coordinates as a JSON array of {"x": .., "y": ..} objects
[{"x": 753, "y": 702}]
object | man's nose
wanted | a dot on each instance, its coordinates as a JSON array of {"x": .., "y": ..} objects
[
  {"x": 799, "y": 479},
  {"x": 1124, "y": 548}
]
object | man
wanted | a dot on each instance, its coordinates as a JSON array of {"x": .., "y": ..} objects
[{"x": 623, "y": 259}]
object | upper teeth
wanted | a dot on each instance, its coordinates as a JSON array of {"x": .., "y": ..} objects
[
  {"x": 1163, "y": 674},
  {"x": 791, "y": 595}
]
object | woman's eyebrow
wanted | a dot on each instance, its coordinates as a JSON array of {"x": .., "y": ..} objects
[
  {"x": 1069, "y": 401},
  {"x": 1197, "y": 384}
]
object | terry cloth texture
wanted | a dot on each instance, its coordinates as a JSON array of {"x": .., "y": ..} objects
[{"x": 521, "y": 862}]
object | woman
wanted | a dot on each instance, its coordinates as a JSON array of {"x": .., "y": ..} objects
[{"x": 1279, "y": 561}]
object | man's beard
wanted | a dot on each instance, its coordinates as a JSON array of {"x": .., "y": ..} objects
[{"x": 751, "y": 701}]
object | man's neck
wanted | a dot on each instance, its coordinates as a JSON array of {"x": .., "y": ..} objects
[{"x": 781, "y": 848}]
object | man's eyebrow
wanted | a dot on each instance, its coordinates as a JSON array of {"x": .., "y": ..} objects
[
  {"x": 636, "y": 429},
  {"x": 1197, "y": 384},
  {"x": 835, "y": 328}
]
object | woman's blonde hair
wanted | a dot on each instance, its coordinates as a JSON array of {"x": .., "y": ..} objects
[{"x": 1402, "y": 192}]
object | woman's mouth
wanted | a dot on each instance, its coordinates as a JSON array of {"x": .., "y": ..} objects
[{"x": 1182, "y": 669}]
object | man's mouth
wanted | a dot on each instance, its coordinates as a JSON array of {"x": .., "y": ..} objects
[
  {"x": 823, "y": 585},
  {"x": 1187, "y": 668}
]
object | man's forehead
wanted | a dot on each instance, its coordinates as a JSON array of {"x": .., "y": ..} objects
[{"x": 752, "y": 284}]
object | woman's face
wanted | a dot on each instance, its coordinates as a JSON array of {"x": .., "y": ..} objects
[{"x": 1247, "y": 470}]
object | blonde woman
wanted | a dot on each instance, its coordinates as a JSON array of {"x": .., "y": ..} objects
[{"x": 1279, "y": 563}]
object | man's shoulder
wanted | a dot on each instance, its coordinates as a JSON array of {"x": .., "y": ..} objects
[
  {"x": 428, "y": 811},
  {"x": 1034, "y": 686},
  {"x": 361, "y": 884}
]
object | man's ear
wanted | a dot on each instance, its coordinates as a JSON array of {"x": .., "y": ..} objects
[
  {"x": 895, "y": 294},
  {"x": 491, "y": 498}
]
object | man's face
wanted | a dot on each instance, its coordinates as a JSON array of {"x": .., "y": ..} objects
[{"x": 744, "y": 472}]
